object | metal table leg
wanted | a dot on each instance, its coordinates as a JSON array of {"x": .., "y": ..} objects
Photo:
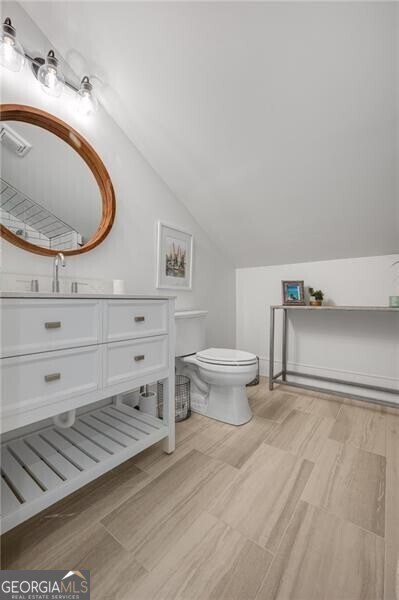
[
  {"x": 284, "y": 346},
  {"x": 271, "y": 349}
]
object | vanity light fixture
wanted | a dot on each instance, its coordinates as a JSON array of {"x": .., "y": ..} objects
[
  {"x": 86, "y": 100},
  {"x": 12, "y": 55},
  {"x": 50, "y": 76},
  {"x": 46, "y": 71}
]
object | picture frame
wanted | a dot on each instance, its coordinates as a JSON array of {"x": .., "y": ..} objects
[
  {"x": 174, "y": 258},
  {"x": 293, "y": 293}
]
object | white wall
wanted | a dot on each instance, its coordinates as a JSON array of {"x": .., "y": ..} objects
[
  {"x": 270, "y": 120},
  {"x": 142, "y": 198},
  {"x": 397, "y": 118},
  {"x": 355, "y": 346}
]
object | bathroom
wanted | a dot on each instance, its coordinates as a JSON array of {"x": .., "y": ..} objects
[{"x": 263, "y": 135}]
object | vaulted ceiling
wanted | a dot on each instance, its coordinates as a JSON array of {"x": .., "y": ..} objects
[{"x": 273, "y": 122}]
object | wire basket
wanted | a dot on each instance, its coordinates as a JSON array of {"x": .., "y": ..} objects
[
  {"x": 256, "y": 380},
  {"x": 182, "y": 398}
]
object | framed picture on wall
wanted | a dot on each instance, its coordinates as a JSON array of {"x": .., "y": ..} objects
[
  {"x": 174, "y": 258},
  {"x": 293, "y": 293}
]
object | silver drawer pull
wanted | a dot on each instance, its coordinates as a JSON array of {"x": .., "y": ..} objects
[
  {"x": 139, "y": 319},
  {"x": 52, "y": 324},
  {"x": 139, "y": 357},
  {"x": 52, "y": 377}
]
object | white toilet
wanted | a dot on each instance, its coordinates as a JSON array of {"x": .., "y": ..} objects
[{"x": 218, "y": 376}]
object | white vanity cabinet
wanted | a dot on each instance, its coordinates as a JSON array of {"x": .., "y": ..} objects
[{"x": 60, "y": 353}]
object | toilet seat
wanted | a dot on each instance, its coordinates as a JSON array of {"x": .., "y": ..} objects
[{"x": 226, "y": 357}]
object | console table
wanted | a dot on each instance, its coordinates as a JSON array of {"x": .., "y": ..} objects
[{"x": 281, "y": 376}]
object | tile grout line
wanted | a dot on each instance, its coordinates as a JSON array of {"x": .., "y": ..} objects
[
  {"x": 279, "y": 546},
  {"x": 123, "y": 547},
  {"x": 339, "y": 412},
  {"x": 272, "y": 554},
  {"x": 330, "y": 512},
  {"x": 118, "y": 504},
  {"x": 349, "y": 442},
  {"x": 343, "y": 444},
  {"x": 360, "y": 447},
  {"x": 322, "y": 509}
]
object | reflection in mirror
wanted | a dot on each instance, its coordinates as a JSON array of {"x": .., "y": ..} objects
[{"x": 48, "y": 195}]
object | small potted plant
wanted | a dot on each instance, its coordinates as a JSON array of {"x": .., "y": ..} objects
[{"x": 316, "y": 297}]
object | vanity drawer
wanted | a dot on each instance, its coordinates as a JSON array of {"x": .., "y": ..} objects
[
  {"x": 129, "y": 319},
  {"x": 38, "y": 325},
  {"x": 127, "y": 360},
  {"x": 36, "y": 380}
]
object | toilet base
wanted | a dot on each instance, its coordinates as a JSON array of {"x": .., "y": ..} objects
[
  {"x": 228, "y": 404},
  {"x": 218, "y": 390}
]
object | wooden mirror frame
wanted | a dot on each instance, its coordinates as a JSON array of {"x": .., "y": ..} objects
[{"x": 35, "y": 116}]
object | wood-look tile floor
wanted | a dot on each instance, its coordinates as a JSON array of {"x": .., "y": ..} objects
[{"x": 302, "y": 503}]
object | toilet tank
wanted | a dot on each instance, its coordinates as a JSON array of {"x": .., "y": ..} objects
[{"x": 190, "y": 331}]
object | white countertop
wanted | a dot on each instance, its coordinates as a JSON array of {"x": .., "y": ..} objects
[{"x": 60, "y": 296}]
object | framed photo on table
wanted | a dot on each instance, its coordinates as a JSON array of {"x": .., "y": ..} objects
[
  {"x": 293, "y": 293},
  {"x": 174, "y": 258}
]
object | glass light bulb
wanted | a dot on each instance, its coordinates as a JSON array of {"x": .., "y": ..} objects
[
  {"x": 12, "y": 55},
  {"x": 50, "y": 77},
  {"x": 86, "y": 102}
]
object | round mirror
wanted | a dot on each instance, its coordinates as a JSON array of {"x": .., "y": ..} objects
[{"x": 55, "y": 193}]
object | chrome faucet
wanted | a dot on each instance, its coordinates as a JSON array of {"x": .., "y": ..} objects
[{"x": 59, "y": 259}]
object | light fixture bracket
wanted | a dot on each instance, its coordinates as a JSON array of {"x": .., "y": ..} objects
[
  {"x": 85, "y": 84},
  {"x": 8, "y": 28},
  {"x": 36, "y": 63}
]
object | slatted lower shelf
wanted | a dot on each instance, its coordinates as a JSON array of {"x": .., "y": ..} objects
[{"x": 41, "y": 468}]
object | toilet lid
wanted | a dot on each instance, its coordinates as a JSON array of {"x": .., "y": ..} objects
[{"x": 225, "y": 356}]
